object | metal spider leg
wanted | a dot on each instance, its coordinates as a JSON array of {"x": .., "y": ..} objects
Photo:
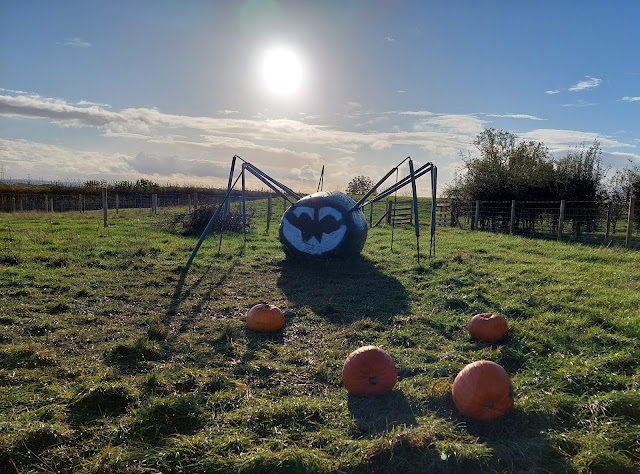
[
  {"x": 210, "y": 225},
  {"x": 274, "y": 185},
  {"x": 434, "y": 183},
  {"x": 411, "y": 178},
  {"x": 321, "y": 182}
]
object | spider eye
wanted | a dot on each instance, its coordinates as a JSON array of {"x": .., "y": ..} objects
[
  {"x": 308, "y": 211},
  {"x": 329, "y": 211}
]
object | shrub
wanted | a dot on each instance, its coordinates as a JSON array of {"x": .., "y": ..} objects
[{"x": 196, "y": 220}]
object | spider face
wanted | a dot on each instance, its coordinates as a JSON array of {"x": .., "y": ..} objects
[{"x": 320, "y": 225}]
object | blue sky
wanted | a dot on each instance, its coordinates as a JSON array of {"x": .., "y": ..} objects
[{"x": 171, "y": 90}]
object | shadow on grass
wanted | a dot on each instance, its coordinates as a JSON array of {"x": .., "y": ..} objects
[
  {"x": 181, "y": 294},
  {"x": 519, "y": 442},
  {"x": 381, "y": 413},
  {"x": 342, "y": 290}
]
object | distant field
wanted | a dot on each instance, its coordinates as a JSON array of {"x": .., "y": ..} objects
[{"x": 113, "y": 360}]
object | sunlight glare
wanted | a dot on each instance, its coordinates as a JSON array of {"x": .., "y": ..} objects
[{"x": 282, "y": 71}]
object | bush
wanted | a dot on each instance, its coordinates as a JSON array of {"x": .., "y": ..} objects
[{"x": 195, "y": 221}]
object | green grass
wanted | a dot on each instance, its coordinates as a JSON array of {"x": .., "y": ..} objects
[{"x": 113, "y": 360}]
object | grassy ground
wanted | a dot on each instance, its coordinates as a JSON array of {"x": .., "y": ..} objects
[{"x": 113, "y": 360}]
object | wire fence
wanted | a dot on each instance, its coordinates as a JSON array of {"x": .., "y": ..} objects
[
  {"x": 92, "y": 201},
  {"x": 583, "y": 221},
  {"x": 606, "y": 223}
]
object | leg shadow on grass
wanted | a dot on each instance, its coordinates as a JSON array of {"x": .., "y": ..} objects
[
  {"x": 519, "y": 442},
  {"x": 381, "y": 413},
  {"x": 182, "y": 294},
  {"x": 342, "y": 290}
]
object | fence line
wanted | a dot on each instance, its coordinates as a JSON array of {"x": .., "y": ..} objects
[
  {"x": 562, "y": 220},
  {"x": 93, "y": 201}
]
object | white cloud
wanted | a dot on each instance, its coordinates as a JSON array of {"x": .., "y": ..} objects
[
  {"x": 552, "y": 92},
  {"x": 173, "y": 165},
  {"x": 227, "y": 112},
  {"x": 630, "y": 99},
  {"x": 579, "y": 103},
  {"x": 305, "y": 173},
  {"x": 420, "y": 113},
  {"x": 634, "y": 157},
  {"x": 75, "y": 43},
  {"x": 390, "y": 39},
  {"x": 516, "y": 116},
  {"x": 352, "y": 109},
  {"x": 12, "y": 91},
  {"x": 83, "y": 103},
  {"x": 457, "y": 123},
  {"x": 558, "y": 140},
  {"x": 589, "y": 83},
  {"x": 46, "y": 161},
  {"x": 152, "y": 143}
]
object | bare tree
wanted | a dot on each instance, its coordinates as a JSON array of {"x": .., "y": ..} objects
[{"x": 359, "y": 185}]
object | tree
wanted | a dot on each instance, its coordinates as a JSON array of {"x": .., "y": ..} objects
[
  {"x": 506, "y": 169},
  {"x": 509, "y": 168},
  {"x": 359, "y": 185},
  {"x": 624, "y": 184},
  {"x": 580, "y": 175}
]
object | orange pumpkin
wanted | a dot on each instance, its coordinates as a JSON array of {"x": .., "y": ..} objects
[
  {"x": 482, "y": 391},
  {"x": 489, "y": 327},
  {"x": 369, "y": 371},
  {"x": 265, "y": 317}
]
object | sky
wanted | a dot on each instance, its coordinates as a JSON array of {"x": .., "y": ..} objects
[{"x": 171, "y": 90}]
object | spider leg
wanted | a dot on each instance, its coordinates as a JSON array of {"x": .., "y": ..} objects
[
  {"x": 411, "y": 178},
  {"x": 386, "y": 176},
  {"x": 209, "y": 225},
  {"x": 434, "y": 183},
  {"x": 415, "y": 207},
  {"x": 275, "y": 186},
  {"x": 244, "y": 205},
  {"x": 321, "y": 182}
]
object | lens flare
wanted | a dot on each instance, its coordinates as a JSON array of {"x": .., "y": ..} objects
[{"x": 282, "y": 71}]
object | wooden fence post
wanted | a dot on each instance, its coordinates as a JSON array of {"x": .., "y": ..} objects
[
  {"x": 189, "y": 201},
  {"x": 512, "y": 220},
  {"x": 154, "y": 203},
  {"x": 477, "y": 216},
  {"x": 117, "y": 204},
  {"x": 46, "y": 203},
  {"x": 632, "y": 201},
  {"x": 370, "y": 214},
  {"x": 13, "y": 204},
  {"x": 454, "y": 213},
  {"x": 609, "y": 216},
  {"x": 561, "y": 219},
  {"x": 268, "y": 213},
  {"x": 105, "y": 207},
  {"x": 389, "y": 210}
]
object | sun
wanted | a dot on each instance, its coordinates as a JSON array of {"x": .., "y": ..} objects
[{"x": 282, "y": 71}]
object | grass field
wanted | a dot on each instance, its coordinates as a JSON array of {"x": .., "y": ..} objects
[{"x": 113, "y": 360}]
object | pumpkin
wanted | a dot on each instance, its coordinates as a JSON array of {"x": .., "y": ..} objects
[
  {"x": 482, "y": 391},
  {"x": 489, "y": 327},
  {"x": 265, "y": 317},
  {"x": 369, "y": 371},
  {"x": 322, "y": 225}
]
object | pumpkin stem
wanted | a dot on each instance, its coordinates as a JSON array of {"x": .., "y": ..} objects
[{"x": 372, "y": 380}]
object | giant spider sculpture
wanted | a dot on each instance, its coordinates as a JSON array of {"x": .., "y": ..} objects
[{"x": 326, "y": 224}]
